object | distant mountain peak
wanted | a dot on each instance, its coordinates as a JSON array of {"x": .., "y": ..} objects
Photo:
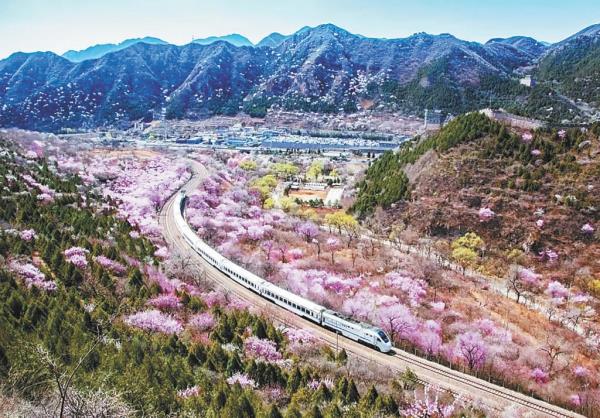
[
  {"x": 272, "y": 40},
  {"x": 234, "y": 39},
  {"x": 589, "y": 32},
  {"x": 526, "y": 44},
  {"x": 97, "y": 51}
]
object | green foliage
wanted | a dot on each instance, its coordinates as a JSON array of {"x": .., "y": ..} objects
[
  {"x": 248, "y": 165},
  {"x": 81, "y": 322},
  {"x": 284, "y": 170},
  {"x": 386, "y": 182},
  {"x": 465, "y": 249},
  {"x": 575, "y": 68},
  {"x": 315, "y": 170},
  {"x": 265, "y": 185}
]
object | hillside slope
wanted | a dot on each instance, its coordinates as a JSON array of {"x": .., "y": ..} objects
[
  {"x": 541, "y": 191},
  {"x": 575, "y": 65}
]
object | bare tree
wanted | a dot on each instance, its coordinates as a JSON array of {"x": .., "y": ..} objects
[
  {"x": 62, "y": 377},
  {"x": 185, "y": 269},
  {"x": 514, "y": 282},
  {"x": 553, "y": 350}
]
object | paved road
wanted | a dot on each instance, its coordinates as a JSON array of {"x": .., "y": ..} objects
[{"x": 493, "y": 396}]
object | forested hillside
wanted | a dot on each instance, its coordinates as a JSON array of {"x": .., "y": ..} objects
[
  {"x": 530, "y": 196},
  {"x": 574, "y": 65},
  {"x": 386, "y": 182},
  {"x": 97, "y": 321}
]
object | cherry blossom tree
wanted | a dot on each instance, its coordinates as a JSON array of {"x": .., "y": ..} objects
[
  {"x": 557, "y": 290},
  {"x": 527, "y": 137},
  {"x": 110, "y": 265},
  {"x": 242, "y": 379},
  {"x": 486, "y": 214},
  {"x": 553, "y": 349},
  {"x": 397, "y": 320},
  {"x": 156, "y": 321},
  {"x": 587, "y": 229},
  {"x": 539, "y": 376},
  {"x": 520, "y": 280},
  {"x": 32, "y": 276},
  {"x": 301, "y": 339},
  {"x": 27, "y": 235},
  {"x": 333, "y": 244},
  {"x": 471, "y": 349},
  {"x": 204, "y": 321},
  {"x": 430, "y": 406},
  {"x": 162, "y": 253},
  {"x": 308, "y": 230},
  {"x": 165, "y": 302},
  {"x": 413, "y": 289},
  {"x": 317, "y": 383},
  {"x": 262, "y": 349},
  {"x": 190, "y": 392},
  {"x": 77, "y": 256}
]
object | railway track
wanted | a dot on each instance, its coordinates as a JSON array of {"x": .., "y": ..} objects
[{"x": 493, "y": 396}]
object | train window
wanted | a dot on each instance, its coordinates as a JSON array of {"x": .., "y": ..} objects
[{"x": 383, "y": 336}]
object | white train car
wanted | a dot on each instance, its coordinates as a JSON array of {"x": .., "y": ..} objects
[
  {"x": 242, "y": 276},
  {"x": 293, "y": 303},
  {"x": 357, "y": 331}
]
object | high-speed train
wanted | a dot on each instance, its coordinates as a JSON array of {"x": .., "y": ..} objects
[{"x": 355, "y": 330}]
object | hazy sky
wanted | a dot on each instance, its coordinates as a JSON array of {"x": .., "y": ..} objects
[{"x": 59, "y": 25}]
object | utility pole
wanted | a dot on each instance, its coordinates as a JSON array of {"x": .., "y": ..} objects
[{"x": 426, "y": 114}]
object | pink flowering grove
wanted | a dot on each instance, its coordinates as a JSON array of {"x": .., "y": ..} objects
[{"x": 154, "y": 320}]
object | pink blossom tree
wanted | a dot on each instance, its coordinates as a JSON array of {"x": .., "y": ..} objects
[
  {"x": 471, "y": 349},
  {"x": 539, "y": 376},
  {"x": 587, "y": 229},
  {"x": 486, "y": 214},
  {"x": 430, "y": 406},
  {"x": 190, "y": 392},
  {"x": 557, "y": 290},
  {"x": 77, "y": 256},
  {"x": 261, "y": 349},
  {"x": 308, "y": 230},
  {"x": 202, "y": 322},
  {"x": 242, "y": 379},
  {"x": 28, "y": 235},
  {"x": 154, "y": 320},
  {"x": 527, "y": 137},
  {"x": 110, "y": 265},
  {"x": 165, "y": 302},
  {"x": 397, "y": 320},
  {"x": 333, "y": 244},
  {"x": 32, "y": 276}
]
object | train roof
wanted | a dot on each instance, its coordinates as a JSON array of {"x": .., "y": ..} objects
[
  {"x": 352, "y": 320},
  {"x": 293, "y": 297},
  {"x": 242, "y": 270}
]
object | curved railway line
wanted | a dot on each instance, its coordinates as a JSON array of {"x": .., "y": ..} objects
[{"x": 493, "y": 396}]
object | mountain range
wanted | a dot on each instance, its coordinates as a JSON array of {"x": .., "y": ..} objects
[
  {"x": 323, "y": 69},
  {"x": 235, "y": 39},
  {"x": 97, "y": 51}
]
